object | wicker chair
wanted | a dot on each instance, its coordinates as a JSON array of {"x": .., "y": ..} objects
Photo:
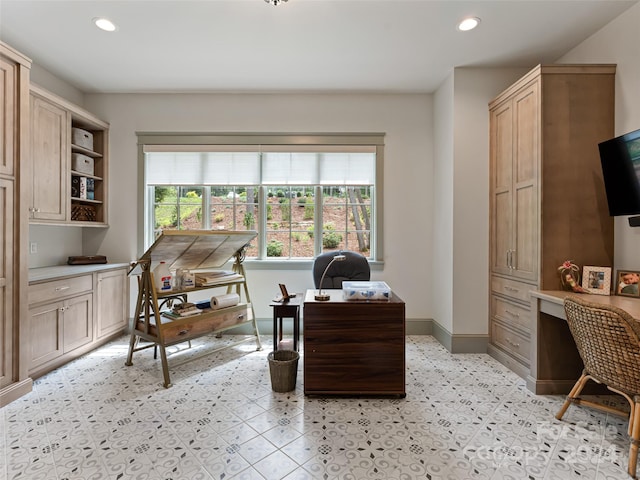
[{"x": 608, "y": 341}]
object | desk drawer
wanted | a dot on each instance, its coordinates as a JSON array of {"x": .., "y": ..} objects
[
  {"x": 512, "y": 288},
  {"x": 511, "y": 313},
  {"x": 56, "y": 289},
  {"x": 197, "y": 325},
  {"x": 514, "y": 343}
]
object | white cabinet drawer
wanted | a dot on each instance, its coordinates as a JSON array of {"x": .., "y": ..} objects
[
  {"x": 511, "y": 313},
  {"x": 56, "y": 289},
  {"x": 512, "y": 288},
  {"x": 514, "y": 343}
]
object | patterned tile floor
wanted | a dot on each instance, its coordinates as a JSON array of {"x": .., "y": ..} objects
[{"x": 464, "y": 417}]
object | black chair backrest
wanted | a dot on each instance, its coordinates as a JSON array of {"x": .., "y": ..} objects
[{"x": 354, "y": 267}]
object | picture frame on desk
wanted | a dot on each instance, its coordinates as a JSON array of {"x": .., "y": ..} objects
[
  {"x": 597, "y": 280},
  {"x": 627, "y": 283}
]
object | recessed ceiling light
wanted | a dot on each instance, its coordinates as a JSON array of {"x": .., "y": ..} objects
[
  {"x": 104, "y": 24},
  {"x": 468, "y": 24}
]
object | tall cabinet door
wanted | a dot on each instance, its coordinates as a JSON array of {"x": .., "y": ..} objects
[
  {"x": 526, "y": 159},
  {"x": 49, "y": 144},
  {"x": 6, "y": 283},
  {"x": 7, "y": 157},
  {"x": 14, "y": 155},
  {"x": 8, "y": 77},
  {"x": 501, "y": 140},
  {"x": 514, "y": 138}
]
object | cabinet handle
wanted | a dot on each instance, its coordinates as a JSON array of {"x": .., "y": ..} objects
[
  {"x": 508, "y": 258},
  {"x": 513, "y": 314},
  {"x": 510, "y": 289},
  {"x": 241, "y": 316},
  {"x": 512, "y": 343},
  {"x": 183, "y": 332},
  {"x": 513, "y": 266},
  {"x": 59, "y": 289}
]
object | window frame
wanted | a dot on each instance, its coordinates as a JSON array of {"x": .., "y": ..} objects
[{"x": 239, "y": 140}]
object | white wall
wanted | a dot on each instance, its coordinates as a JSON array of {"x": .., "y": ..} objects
[
  {"x": 406, "y": 120},
  {"x": 473, "y": 89},
  {"x": 443, "y": 244},
  {"x": 53, "y": 245},
  {"x": 619, "y": 43},
  {"x": 461, "y": 189}
]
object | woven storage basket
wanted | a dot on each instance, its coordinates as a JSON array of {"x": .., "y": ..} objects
[
  {"x": 83, "y": 213},
  {"x": 283, "y": 368}
]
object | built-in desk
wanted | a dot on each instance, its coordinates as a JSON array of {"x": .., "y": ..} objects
[{"x": 555, "y": 363}]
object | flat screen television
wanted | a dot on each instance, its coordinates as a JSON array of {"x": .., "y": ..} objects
[{"x": 620, "y": 159}]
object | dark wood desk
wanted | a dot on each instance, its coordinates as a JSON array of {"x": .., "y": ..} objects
[
  {"x": 555, "y": 363},
  {"x": 353, "y": 347}
]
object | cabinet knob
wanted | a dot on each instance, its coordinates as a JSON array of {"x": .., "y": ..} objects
[
  {"x": 512, "y": 343},
  {"x": 241, "y": 316}
]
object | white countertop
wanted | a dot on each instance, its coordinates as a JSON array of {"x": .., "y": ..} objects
[{"x": 61, "y": 271}]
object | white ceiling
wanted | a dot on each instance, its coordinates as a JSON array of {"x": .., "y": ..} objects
[{"x": 299, "y": 46}]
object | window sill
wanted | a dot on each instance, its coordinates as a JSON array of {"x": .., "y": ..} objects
[{"x": 306, "y": 264}]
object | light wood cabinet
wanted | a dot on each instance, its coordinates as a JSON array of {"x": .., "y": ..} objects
[
  {"x": 56, "y": 194},
  {"x": 72, "y": 315},
  {"x": 50, "y": 160},
  {"x": 6, "y": 282},
  {"x": 14, "y": 186},
  {"x": 112, "y": 302},
  {"x": 58, "y": 328},
  {"x": 514, "y": 135},
  {"x": 547, "y": 199}
]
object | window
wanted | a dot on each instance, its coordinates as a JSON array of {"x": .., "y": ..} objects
[{"x": 302, "y": 199}]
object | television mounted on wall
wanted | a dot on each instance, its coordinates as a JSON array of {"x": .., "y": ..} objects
[{"x": 620, "y": 159}]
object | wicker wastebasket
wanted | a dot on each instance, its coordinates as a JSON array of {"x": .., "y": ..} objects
[{"x": 283, "y": 368}]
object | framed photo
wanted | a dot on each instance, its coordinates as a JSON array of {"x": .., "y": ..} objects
[
  {"x": 597, "y": 280},
  {"x": 627, "y": 283}
]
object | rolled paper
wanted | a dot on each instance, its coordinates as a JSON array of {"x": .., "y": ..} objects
[{"x": 224, "y": 301}]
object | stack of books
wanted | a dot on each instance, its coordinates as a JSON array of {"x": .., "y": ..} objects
[
  {"x": 82, "y": 187},
  {"x": 206, "y": 279}
]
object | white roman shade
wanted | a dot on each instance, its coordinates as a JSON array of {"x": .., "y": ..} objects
[
  {"x": 301, "y": 168},
  {"x": 266, "y": 165},
  {"x": 202, "y": 168}
]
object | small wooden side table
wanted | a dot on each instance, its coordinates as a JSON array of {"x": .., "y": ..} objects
[{"x": 286, "y": 309}]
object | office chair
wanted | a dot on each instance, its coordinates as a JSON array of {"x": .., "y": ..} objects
[
  {"x": 354, "y": 267},
  {"x": 608, "y": 341}
]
